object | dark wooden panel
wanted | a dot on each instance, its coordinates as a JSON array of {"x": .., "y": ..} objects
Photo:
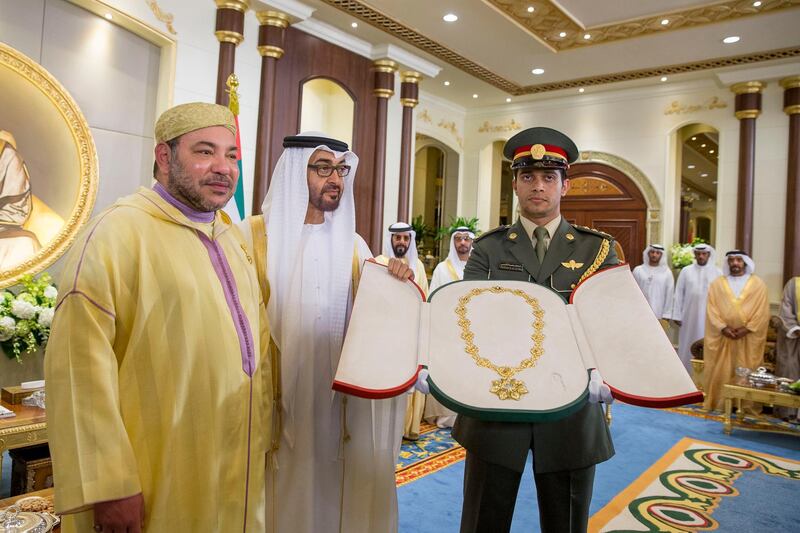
[
  {"x": 623, "y": 215},
  {"x": 308, "y": 57}
]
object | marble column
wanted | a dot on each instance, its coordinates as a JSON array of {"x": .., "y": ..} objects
[
  {"x": 230, "y": 32},
  {"x": 271, "y": 36},
  {"x": 748, "y": 107},
  {"x": 383, "y": 89},
  {"x": 409, "y": 98},
  {"x": 791, "y": 250}
]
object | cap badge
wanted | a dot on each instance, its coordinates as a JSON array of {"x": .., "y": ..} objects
[
  {"x": 572, "y": 265},
  {"x": 570, "y": 237},
  {"x": 537, "y": 151},
  {"x": 512, "y": 236}
]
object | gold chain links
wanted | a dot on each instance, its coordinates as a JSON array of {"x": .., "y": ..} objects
[{"x": 506, "y": 387}]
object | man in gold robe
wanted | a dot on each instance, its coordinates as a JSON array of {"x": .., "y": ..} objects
[
  {"x": 737, "y": 317},
  {"x": 156, "y": 385},
  {"x": 400, "y": 243}
]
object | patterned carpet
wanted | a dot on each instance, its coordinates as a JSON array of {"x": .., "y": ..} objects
[
  {"x": 697, "y": 485},
  {"x": 761, "y": 423},
  {"x": 434, "y": 450}
]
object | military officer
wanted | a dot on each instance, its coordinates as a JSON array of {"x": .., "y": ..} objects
[{"x": 543, "y": 248}]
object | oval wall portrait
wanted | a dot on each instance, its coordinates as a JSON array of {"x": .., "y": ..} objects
[{"x": 48, "y": 168}]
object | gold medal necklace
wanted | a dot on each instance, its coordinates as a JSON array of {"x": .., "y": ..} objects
[{"x": 506, "y": 388}]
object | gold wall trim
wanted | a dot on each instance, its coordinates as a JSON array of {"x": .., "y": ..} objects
[
  {"x": 511, "y": 125},
  {"x": 549, "y": 20},
  {"x": 410, "y": 76},
  {"x": 238, "y": 5},
  {"x": 227, "y": 36},
  {"x": 273, "y": 18},
  {"x": 384, "y": 65},
  {"x": 383, "y": 93},
  {"x": 395, "y": 28},
  {"x": 678, "y": 108},
  {"x": 747, "y": 113},
  {"x": 792, "y": 109},
  {"x": 748, "y": 87},
  {"x": 409, "y": 102},
  {"x": 267, "y": 50},
  {"x": 162, "y": 16}
]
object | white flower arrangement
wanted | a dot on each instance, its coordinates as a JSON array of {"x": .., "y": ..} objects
[
  {"x": 683, "y": 254},
  {"x": 25, "y": 318}
]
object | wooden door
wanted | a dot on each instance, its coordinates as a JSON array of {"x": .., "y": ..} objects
[
  {"x": 309, "y": 57},
  {"x": 604, "y": 198}
]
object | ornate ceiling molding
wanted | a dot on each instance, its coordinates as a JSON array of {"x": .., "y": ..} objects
[
  {"x": 548, "y": 20},
  {"x": 370, "y": 15},
  {"x": 395, "y": 28},
  {"x": 683, "y": 68}
]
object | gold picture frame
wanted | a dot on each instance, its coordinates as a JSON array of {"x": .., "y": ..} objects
[{"x": 46, "y": 128}]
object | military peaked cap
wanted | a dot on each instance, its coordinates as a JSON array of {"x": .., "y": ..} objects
[{"x": 540, "y": 148}]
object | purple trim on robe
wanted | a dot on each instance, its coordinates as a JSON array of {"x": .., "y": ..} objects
[
  {"x": 191, "y": 214},
  {"x": 91, "y": 301},
  {"x": 86, "y": 245},
  {"x": 225, "y": 275},
  {"x": 249, "y": 443}
]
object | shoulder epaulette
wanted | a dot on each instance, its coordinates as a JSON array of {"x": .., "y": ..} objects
[
  {"x": 593, "y": 231},
  {"x": 491, "y": 231}
]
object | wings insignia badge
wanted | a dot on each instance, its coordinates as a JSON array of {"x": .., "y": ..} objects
[{"x": 572, "y": 265}]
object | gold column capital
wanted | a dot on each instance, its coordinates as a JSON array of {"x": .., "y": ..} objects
[
  {"x": 384, "y": 65},
  {"x": 238, "y": 5},
  {"x": 792, "y": 82},
  {"x": 410, "y": 76},
  {"x": 226, "y": 36},
  {"x": 409, "y": 102},
  {"x": 273, "y": 18},
  {"x": 748, "y": 87}
]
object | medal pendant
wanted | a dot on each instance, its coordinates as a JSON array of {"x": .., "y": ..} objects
[{"x": 508, "y": 388}]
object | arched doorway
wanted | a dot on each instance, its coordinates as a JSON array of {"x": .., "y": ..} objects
[
  {"x": 435, "y": 195},
  {"x": 604, "y": 198}
]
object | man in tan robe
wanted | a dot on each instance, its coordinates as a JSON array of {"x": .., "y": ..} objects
[
  {"x": 157, "y": 386},
  {"x": 788, "y": 345},
  {"x": 737, "y": 317}
]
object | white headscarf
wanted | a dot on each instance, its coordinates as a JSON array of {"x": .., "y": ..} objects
[
  {"x": 709, "y": 271},
  {"x": 284, "y": 211},
  {"x": 456, "y": 261},
  {"x": 646, "y": 258},
  {"x": 401, "y": 227},
  {"x": 749, "y": 264}
]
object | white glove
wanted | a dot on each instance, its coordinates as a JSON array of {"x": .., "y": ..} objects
[
  {"x": 598, "y": 391},
  {"x": 422, "y": 382}
]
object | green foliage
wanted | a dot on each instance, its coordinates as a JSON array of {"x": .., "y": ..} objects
[
  {"x": 457, "y": 222},
  {"x": 421, "y": 229},
  {"x": 25, "y": 317}
]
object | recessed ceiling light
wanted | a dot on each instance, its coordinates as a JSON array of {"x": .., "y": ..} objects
[
  {"x": 538, "y": 71},
  {"x": 581, "y": 90},
  {"x": 354, "y": 25},
  {"x": 756, "y": 4},
  {"x": 108, "y": 16},
  {"x": 704, "y": 175},
  {"x": 732, "y": 39},
  {"x": 663, "y": 78},
  {"x": 531, "y": 9},
  {"x": 474, "y": 95},
  {"x": 664, "y": 22},
  {"x": 450, "y": 17},
  {"x": 447, "y": 83},
  {"x": 690, "y": 166},
  {"x": 508, "y": 99},
  {"x": 562, "y": 34},
  {"x": 703, "y": 145},
  {"x": 587, "y": 36},
  {"x": 694, "y": 138},
  {"x": 711, "y": 151}
]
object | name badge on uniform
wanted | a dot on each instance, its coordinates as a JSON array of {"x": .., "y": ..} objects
[{"x": 510, "y": 266}]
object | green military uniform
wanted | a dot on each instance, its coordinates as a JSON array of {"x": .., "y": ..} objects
[{"x": 564, "y": 451}]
